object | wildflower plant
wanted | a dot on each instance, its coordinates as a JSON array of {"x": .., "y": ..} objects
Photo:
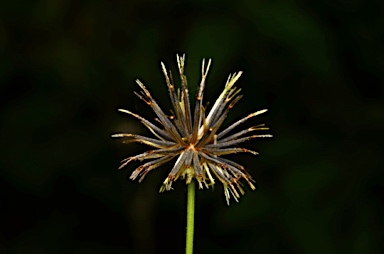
[{"x": 192, "y": 138}]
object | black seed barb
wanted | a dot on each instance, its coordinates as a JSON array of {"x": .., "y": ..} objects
[
  {"x": 168, "y": 125},
  {"x": 188, "y": 157},
  {"x": 231, "y": 127},
  {"x": 230, "y": 82},
  {"x": 199, "y": 110},
  {"x": 150, "y": 126},
  {"x": 225, "y": 179},
  {"x": 225, "y": 151},
  {"x": 209, "y": 136},
  {"x": 180, "y": 161},
  {"x": 149, "y": 166},
  {"x": 180, "y": 117},
  {"x": 237, "y": 141},
  {"x": 196, "y": 164},
  {"x": 239, "y": 134},
  {"x": 223, "y": 163},
  {"x": 142, "y": 156},
  {"x": 145, "y": 140},
  {"x": 184, "y": 93},
  {"x": 228, "y": 99},
  {"x": 232, "y": 163}
]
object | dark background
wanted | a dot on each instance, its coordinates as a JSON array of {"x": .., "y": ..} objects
[{"x": 66, "y": 66}]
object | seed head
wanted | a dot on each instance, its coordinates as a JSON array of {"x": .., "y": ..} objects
[{"x": 192, "y": 137}]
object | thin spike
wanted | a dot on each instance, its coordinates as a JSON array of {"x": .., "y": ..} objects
[
  {"x": 237, "y": 141},
  {"x": 184, "y": 93},
  {"x": 226, "y": 151},
  {"x": 168, "y": 125},
  {"x": 144, "y": 140},
  {"x": 180, "y": 118},
  {"x": 231, "y": 127},
  {"x": 236, "y": 135},
  {"x": 149, "y": 166},
  {"x": 150, "y": 126}
]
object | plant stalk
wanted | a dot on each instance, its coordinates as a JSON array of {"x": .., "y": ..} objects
[{"x": 190, "y": 217}]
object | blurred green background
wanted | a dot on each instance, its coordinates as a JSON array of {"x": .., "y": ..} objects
[{"x": 66, "y": 66}]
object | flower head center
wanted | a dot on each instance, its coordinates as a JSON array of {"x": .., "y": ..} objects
[{"x": 191, "y": 147}]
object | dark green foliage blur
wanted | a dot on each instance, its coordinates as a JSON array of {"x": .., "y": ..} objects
[{"x": 66, "y": 66}]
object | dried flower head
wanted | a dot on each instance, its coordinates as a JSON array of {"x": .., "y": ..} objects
[{"x": 192, "y": 137}]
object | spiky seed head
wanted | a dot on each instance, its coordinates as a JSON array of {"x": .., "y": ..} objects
[{"x": 192, "y": 138}]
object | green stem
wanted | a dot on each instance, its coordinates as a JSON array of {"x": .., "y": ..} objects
[{"x": 190, "y": 217}]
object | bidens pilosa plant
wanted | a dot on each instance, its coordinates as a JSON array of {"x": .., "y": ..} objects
[{"x": 192, "y": 138}]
